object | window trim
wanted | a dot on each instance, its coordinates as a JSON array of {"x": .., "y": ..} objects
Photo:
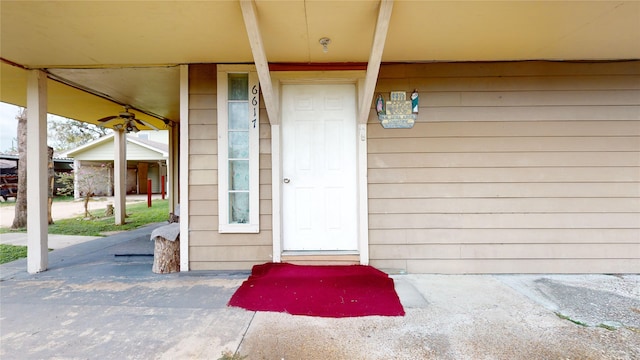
[{"x": 253, "y": 226}]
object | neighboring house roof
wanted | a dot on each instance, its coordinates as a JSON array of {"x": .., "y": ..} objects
[
  {"x": 15, "y": 157},
  {"x": 9, "y": 157},
  {"x": 6, "y": 164},
  {"x": 137, "y": 149},
  {"x": 9, "y": 163},
  {"x": 153, "y": 145}
]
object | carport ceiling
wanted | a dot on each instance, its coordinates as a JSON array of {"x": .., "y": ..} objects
[{"x": 128, "y": 51}]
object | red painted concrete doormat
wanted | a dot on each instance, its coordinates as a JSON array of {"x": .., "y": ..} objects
[{"x": 326, "y": 291}]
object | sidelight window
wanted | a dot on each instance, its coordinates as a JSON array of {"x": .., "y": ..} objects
[{"x": 238, "y": 149}]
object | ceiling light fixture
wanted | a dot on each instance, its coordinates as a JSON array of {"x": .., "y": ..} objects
[
  {"x": 131, "y": 127},
  {"x": 325, "y": 41}
]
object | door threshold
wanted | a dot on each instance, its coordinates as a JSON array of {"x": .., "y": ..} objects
[{"x": 339, "y": 257}]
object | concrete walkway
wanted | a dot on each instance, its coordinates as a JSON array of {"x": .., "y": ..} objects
[
  {"x": 54, "y": 241},
  {"x": 100, "y": 300}
]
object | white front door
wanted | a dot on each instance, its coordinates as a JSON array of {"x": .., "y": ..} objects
[{"x": 319, "y": 190}]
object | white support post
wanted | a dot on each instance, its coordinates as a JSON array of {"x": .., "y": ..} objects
[
  {"x": 119, "y": 176},
  {"x": 184, "y": 168},
  {"x": 37, "y": 220},
  {"x": 366, "y": 97},
  {"x": 175, "y": 167},
  {"x": 375, "y": 57},
  {"x": 249, "y": 14},
  {"x": 110, "y": 182},
  {"x": 172, "y": 167},
  {"x": 363, "y": 196},
  {"x": 76, "y": 170},
  {"x": 276, "y": 193}
]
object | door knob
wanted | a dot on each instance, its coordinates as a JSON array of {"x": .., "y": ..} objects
[{"x": 287, "y": 180}]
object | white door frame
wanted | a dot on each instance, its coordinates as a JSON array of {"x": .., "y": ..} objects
[{"x": 329, "y": 78}]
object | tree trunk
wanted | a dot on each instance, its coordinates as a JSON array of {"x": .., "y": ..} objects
[
  {"x": 87, "y": 197},
  {"x": 166, "y": 256},
  {"x": 20, "y": 217},
  {"x": 109, "y": 210},
  {"x": 51, "y": 183}
]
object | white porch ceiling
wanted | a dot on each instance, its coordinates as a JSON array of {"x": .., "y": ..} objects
[{"x": 128, "y": 51}]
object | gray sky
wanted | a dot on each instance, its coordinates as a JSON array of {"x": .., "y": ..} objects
[{"x": 8, "y": 125}]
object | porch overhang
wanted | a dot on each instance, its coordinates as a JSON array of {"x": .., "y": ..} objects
[{"x": 127, "y": 53}]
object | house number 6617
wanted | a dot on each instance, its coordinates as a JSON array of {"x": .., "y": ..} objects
[{"x": 254, "y": 103}]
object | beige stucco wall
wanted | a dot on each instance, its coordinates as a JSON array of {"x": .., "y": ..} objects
[{"x": 511, "y": 167}]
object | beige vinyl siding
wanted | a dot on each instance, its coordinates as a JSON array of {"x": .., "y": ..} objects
[
  {"x": 208, "y": 249},
  {"x": 101, "y": 152},
  {"x": 511, "y": 167}
]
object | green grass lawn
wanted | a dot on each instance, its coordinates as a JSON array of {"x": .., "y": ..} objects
[
  {"x": 9, "y": 202},
  {"x": 138, "y": 215},
  {"x": 9, "y": 253}
]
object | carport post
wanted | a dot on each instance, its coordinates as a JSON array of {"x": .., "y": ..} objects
[
  {"x": 119, "y": 171},
  {"x": 37, "y": 221}
]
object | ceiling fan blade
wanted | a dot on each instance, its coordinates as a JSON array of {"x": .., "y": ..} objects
[
  {"x": 144, "y": 123},
  {"x": 108, "y": 118}
]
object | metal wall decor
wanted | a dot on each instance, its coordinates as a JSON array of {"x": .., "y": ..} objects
[{"x": 398, "y": 112}]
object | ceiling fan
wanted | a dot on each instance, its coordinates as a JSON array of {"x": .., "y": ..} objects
[{"x": 128, "y": 121}]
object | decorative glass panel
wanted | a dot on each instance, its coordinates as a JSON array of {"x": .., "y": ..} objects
[
  {"x": 239, "y": 145},
  {"x": 239, "y": 175},
  {"x": 239, "y": 115},
  {"x": 238, "y": 153},
  {"x": 238, "y": 86},
  {"x": 239, "y": 207}
]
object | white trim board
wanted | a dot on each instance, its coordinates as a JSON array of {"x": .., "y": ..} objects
[{"x": 184, "y": 167}]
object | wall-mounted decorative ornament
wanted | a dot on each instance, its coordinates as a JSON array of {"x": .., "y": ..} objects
[
  {"x": 380, "y": 105},
  {"x": 414, "y": 101},
  {"x": 397, "y": 113}
]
